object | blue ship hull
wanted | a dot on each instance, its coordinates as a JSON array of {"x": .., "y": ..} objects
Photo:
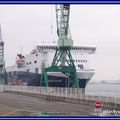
[{"x": 33, "y": 79}]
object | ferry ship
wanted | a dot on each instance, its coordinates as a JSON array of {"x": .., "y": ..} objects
[{"x": 28, "y": 68}]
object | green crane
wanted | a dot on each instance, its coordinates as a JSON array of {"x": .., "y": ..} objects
[
  {"x": 3, "y": 74},
  {"x": 63, "y": 61}
]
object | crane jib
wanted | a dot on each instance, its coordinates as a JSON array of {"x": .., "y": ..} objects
[{"x": 63, "y": 29}]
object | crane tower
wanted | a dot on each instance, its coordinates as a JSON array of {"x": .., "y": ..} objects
[
  {"x": 3, "y": 74},
  {"x": 63, "y": 61}
]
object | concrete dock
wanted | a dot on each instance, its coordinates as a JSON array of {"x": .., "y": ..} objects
[
  {"x": 19, "y": 105},
  {"x": 37, "y": 101}
]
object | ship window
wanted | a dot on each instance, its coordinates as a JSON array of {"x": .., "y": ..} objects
[
  {"x": 29, "y": 62},
  {"x": 81, "y": 60},
  {"x": 78, "y": 60},
  {"x": 27, "y": 70},
  {"x": 35, "y": 61},
  {"x": 80, "y": 66},
  {"x": 26, "y": 63},
  {"x": 36, "y": 55},
  {"x": 36, "y": 70}
]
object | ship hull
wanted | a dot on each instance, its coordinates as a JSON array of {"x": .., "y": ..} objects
[{"x": 33, "y": 79}]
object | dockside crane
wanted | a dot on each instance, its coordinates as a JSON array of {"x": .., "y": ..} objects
[
  {"x": 3, "y": 74},
  {"x": 63, "y": 61}
]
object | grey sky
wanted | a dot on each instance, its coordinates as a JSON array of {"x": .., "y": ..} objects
[{"x": 24, "y": 26}]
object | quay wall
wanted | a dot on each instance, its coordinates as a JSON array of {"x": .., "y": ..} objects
[{"x": 60, "y": 94}]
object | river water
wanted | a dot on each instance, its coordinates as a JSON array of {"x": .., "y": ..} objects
[{"x": 100, "y": 89}]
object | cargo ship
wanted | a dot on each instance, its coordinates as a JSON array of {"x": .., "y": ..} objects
[{"x": 27, "y": 69}]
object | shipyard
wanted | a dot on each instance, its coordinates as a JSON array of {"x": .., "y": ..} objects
[{"x": 56, "y": 77}]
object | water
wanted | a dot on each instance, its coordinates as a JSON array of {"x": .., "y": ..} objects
[{"x": 99, "y": 89}]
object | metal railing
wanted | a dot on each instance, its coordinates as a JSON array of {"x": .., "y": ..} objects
[{"x": 70, "y": 93}]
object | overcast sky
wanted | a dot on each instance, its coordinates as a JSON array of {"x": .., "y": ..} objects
[{"x": 25, "y": 26}]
